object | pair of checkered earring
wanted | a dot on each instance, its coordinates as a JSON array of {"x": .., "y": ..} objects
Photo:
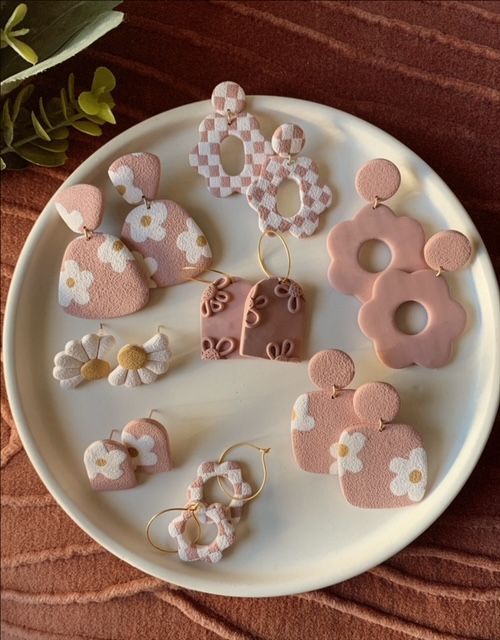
[
  {"x": 83, "y": 361},
  {"x": 266, "y": 164},
  {"x": 143, "y": 446},
  {"x": 225, "y": 517}
]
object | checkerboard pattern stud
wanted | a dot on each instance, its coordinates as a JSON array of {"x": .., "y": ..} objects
[{"x": 288, "y": 140}]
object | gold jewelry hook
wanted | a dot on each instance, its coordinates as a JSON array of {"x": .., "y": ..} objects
[
  {"x": 113, "y": 431},
  {"x": 153, "y": 411},
  {"x": 375, "y": 202},
  {"x": 193, "y": 508},
  {"x": 263, "y": 452},
  {"x": 195, "y": 278},
  {"x": 272, "y": 234}
]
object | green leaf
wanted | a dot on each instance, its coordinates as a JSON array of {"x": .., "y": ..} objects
[
  {"x": 41, "y": 108},
  {"x": 95, "y": 119},
  {"x": 16, "y": 16},
  {"x": 71, "y": 90},
  {"x": 40, "y": 131},
  {"x": 23, "y": 49},
  {"x": 23, "y": 96},
  {"x": 88, "y": 103},
  {"x": 56, "y": 146},
  {"x": 106, "y": 114},
  {"x": 103, "y": 80},
  {"x": 64, "y": 103},
  {"x": 13, "y": 161},
  {"x": 61, "y": 133},
  {"x": 58, "y": 31},
  {"x": 7, "y": 124},
  {"x": 90, "y": 128},
  {"x": 2, "y": 164},
  {"x": 41, "y": 157}
]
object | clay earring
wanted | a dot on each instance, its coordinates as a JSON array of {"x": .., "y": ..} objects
[
  {"x": 288, "y": 141},
  {"x": 319, "y": 417},
  {"x": 83, "y": 360},
  {"x": 148, "y": 445},
  {"x": 229, "y": 119},
  {"x": 380, "y": 464},
  {"x": 161, "y": 231},
  {"x": 433, "y": 346},
  {"x": 274, "y": 315},
  {"x": 142, "y": 364},
  {"x": 99, "y": 277},
  {"x": 109, "y": 466}
]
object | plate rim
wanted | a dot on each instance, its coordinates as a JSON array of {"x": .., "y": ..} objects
[{"x": 199, "y": 582}]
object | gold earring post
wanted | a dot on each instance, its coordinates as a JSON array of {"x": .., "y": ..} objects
[{"x": 273, "y": 234}]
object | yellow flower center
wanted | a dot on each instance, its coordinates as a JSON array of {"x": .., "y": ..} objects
[
  {"x": 117, "y": 245},
  {"x": 95, "y": 369},
  {"x": 201, "y": 241},
  {"x": 146, "y": 221},
  {"x": 101, "y": 462},
  {"x": 70, "y": 282},
  {"x": 121, "y": 189},
  {"x": 133, "y": 452},
  {"x": 343, "y": 450},
  {"x": 415, "y": 476},
  {"x": 132, "y": 357}
]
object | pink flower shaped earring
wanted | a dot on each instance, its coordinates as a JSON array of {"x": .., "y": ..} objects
[
  {"x": 99, "y": 276},
  {"x": 229, "y": 119},
  {"x": 161, "y": 231},
  {"x": 288, "y": 141}
]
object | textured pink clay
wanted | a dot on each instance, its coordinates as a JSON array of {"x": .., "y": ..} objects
[
  {"x": 331, "y": 368},
  {"x": 85, "y": 199},
  {"x": 288, "y": 140},
  {"x": 379, "y": 179},
  {"x": 228, "y": 96},
  {"x": 376, "y": 401},
  {"x": 448, "y": 250}
]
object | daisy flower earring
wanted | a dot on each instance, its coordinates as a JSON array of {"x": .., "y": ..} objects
[{"x": 142, "y": 364}]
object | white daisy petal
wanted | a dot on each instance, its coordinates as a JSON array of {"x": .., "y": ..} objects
[
  {"x": 65, "y": 361},
  {"x": 113, "y": 252},
  {"x": 146, "y": 375},
  {"x": 115, "y": 458},
  {"x": 160, "y": 356},
  {"x": 132, "y": 379},
  {"x": 90, "y": 343},
  {"x": 71, "y": 383},
  {"x": 411, "y": 475},
  {"x": 106, "y": 343},
  {"x": 301, "y": 418},
  {"x": 193, "y": 242},
  {"x": 118, "y": 376},
  {"x": 148, "y": 222},
  {"x": 75, "y": 349},
  {"x": 346, "y": 452},
  {"x": 144, "y": 446},
  {"x": 157, "y": 367},
  {"x": 158, "y": 342},
  {"x": 64, "y": 373}
]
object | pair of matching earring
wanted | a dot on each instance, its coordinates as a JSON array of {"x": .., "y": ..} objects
[
  {"x": 143, "y": 446},
  {"x": 103, "y": 276},
  {"x": 265, "y": 320},
  {"x": 225, "y": 517},
  {"x": 410, "y": 275},
  {"x": 83, "y": 360},
  {"x": 263, "y": 171},
  {"x": 353, "y": 434}
]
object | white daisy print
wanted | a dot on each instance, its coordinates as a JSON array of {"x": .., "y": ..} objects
[
  {"x": 83, "y": 360},
  {"x": 114, "y": 252},
  {"x": 301, "y": 418},
  {"x": 98, "y": 459},
  {"x": 123, "y": 180},
  {"x": 74, "y": 284},
  {"x": 140, "y": 449},
  {"x": 73, "y": 219},
  {"x": 411, "y": 475},
  {"x": 193, "y": 243},
  {"x": 148, "y": 266},
  {"x": 142, "y": 364},
  {"x": 147, "y": 223},
  {"x": 346, "y": 452}
]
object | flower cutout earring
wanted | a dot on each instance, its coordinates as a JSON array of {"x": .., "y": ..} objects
[
  {"x": 142, "y": 364},
  {"x": 262, "y": 195},
  {"x": 82, "y": 360}
]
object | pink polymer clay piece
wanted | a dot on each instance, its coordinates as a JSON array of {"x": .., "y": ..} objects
[
  {"x": 274, "y": 321},
  {"x": 109, "y": 466},
  {"x": 81, "y": 207},
  {"x": 433, "y": 346},
  {"x": 221, "y": 310},
  {"x": 319, "y": 417},
  {"x": 229, "y": 119},
  {"x": 148, "y": 445}
]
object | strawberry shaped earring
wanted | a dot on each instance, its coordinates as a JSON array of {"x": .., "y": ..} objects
[
  {"x": 99, "y": 276},
  {"x": 161, "y": 231}
]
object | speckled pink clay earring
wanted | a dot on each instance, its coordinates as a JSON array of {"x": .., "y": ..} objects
[
  {"x": 433, "y": 346},
  {"x": 274, "y": 315},
  {"x": 99, "y": 276},
  {"x": 230, "y": 119},
  {"x": 376, "y": 181},
  {"x": 319, "y": 417},
  {"x": 262, "y": 195},
  {"x": 380, "y": 464},
  {"x": 164, "y": 238}
]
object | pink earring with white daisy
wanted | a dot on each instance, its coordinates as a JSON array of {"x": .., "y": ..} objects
[{"x": 160, "y": 231}]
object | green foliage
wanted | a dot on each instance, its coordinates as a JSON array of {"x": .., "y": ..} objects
[
  {"x": 39, "y": 136},
  {"x": 10, "y": 38}
]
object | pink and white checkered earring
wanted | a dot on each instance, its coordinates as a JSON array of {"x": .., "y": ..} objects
[
  {"x": 262, "y": 195},
  {"x": 224, "y": 517},
  {"x": 229, "y": 119}
]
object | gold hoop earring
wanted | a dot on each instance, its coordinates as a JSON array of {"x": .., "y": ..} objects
[
  {"x": 193, "y": 508},
  {"x": 263, "y": 452}
]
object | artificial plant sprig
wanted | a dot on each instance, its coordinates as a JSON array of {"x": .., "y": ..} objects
[
  {"x": 10, "y": 37},
  {"x": 39, "y": 136}
]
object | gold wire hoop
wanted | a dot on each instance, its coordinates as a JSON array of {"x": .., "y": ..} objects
[
  {"x": 263, "y": 453},
  {"x": 193, "y": 508},
  {"x": 271, "y": 234},
  {"x": 196, "y": 279}
]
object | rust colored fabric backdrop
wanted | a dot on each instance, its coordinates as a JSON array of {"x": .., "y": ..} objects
[{"x": 428, "y": 73}]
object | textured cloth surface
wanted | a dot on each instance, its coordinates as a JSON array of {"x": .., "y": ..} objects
[{"x": 426, "y": 73}]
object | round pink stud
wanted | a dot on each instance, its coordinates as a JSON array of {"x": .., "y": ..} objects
[
  {"x": 288, "y": 140},
  {"x": 378, "y": 179},
  {"x": 376, "y": 401},
  {"x": 447, "y": 251},
  {"x": 228, "y": 96},
  {"x": 331, "y": 368}
]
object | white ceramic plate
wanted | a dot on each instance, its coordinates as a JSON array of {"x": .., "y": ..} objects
[{"x": 300, "y": 534}]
